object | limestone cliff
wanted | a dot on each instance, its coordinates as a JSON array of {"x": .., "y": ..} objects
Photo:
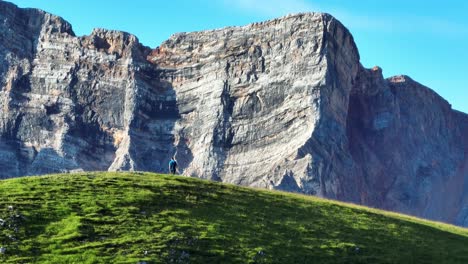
[{"x": 282, "y": 104}]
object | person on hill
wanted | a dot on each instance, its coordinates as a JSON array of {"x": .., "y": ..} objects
[{"x": 173, "y": 165}]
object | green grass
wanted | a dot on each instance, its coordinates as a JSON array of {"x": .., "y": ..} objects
[{"x": 117, "y": 217}]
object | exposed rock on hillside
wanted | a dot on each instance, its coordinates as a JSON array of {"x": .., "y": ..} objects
[{"x": 282, "y": 104}]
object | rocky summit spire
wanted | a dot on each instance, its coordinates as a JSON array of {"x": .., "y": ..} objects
[{"x": 283, "y": 104}]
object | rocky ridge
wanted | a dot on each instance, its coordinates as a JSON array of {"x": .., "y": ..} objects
[{"x": 283, "y": 104}]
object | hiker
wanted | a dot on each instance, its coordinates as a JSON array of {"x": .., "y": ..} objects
[{"x": 173, "y": 165}]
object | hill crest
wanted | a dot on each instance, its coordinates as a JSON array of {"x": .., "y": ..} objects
[{"x": 136, "y": 217}]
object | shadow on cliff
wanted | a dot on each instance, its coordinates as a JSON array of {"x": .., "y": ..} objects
[{"x": 155, "y": 136}]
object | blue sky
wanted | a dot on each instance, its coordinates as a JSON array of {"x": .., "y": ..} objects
[{"x": 427, "y": 40}]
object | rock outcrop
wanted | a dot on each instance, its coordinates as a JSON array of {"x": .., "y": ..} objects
[{"x": 284, "y": 104}]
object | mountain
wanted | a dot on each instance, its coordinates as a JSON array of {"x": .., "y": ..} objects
[
  {"x": 148, "y": 218},
  {"x": 283, "y": 104}
]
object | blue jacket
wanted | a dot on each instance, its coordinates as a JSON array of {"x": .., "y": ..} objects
[{"x": 172, "y": 165}]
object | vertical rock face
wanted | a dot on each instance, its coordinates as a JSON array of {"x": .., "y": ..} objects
[
  {"x": 264, "y": 105},
  {"x": 77, "y": 103},
  {"x": 283, "y": 104},
  {"x": 409, "y": 147}
]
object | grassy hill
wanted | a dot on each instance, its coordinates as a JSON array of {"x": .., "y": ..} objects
[{"x": 144, "y": 217}]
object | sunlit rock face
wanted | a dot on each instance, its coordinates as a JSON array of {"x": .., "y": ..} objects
[{"x": 283, "y": 104}]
